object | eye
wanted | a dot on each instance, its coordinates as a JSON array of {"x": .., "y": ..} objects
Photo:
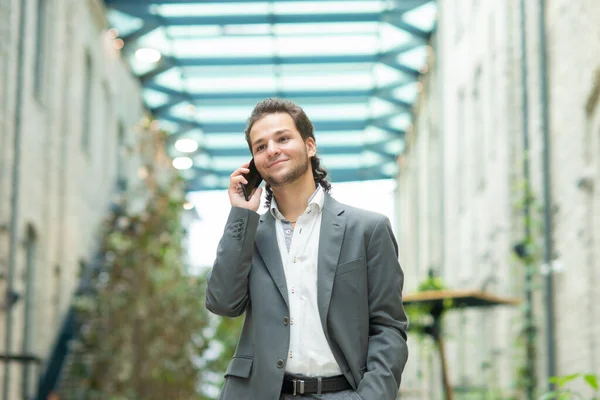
[
  {"x": 259, "y": 148},
  {"x": 283, "y": 139}
]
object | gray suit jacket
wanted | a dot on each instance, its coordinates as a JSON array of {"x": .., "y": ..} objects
[{"x": 359, "y": 298}]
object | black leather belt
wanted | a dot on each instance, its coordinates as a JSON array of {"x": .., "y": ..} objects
[{"x": 299, "y": 386}]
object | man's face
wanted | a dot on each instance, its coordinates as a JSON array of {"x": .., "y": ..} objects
[{"x": 280, "y": 154}]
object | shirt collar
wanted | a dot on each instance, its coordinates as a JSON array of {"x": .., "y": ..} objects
[{"x": 315, "y": 201}]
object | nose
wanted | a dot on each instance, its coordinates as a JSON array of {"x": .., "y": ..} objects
[{"x": 272, "y": 148}]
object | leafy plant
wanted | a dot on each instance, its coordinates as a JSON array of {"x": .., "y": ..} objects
[
  {"x": 564, "y": 393},
  {"x": 143, "y": 322},
  {"x": 419, "y": 314}
]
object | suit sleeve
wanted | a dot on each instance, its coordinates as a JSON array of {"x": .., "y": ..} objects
[
  {"x": 227, "y": 283},
  {"x": 387, "y": 351}
]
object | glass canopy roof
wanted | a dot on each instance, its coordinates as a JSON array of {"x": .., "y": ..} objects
[{"x": 353, "y": 65}]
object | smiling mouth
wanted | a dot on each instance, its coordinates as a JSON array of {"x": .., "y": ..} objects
[{"x": 276, "y": 163}]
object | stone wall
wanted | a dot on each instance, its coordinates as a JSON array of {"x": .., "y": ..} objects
[
  {"x": 67, "y": 158},
  {"x": 462, "y": 179}
]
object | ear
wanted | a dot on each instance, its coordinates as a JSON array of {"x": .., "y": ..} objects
[{"x": 311, "y": 147}]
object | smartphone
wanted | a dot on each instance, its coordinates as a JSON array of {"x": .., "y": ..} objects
[{"x": 254, "y": 179}]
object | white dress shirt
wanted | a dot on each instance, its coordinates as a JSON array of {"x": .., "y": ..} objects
[{"x": 309, "y": 353}]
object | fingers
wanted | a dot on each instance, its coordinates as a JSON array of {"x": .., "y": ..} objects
[
  {"x": 239, "y": 171},
  {"x": 237, "y": 177}
]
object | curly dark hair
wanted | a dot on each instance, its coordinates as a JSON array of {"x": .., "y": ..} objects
[{"x": 304, "y": 126}]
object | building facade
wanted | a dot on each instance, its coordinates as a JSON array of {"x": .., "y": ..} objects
[
  {"x": 68, "y": 105},
  {"x": 463, "y": 179}
]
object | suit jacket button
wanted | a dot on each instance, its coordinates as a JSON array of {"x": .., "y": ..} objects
[
  {"x": 286, "y": 320},
  {"x": 280, "y": 363}
]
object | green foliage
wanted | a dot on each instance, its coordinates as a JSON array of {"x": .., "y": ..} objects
[
  {"x": 528, "y": 252},
  {"x": 226, "y": 334},
  {"x": 564, "y": 393},
  {"x": 141, "y": 335},
  {"x": 419, "y": 314}
]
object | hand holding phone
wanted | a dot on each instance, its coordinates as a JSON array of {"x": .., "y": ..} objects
[{"x": 254, "y": 179}]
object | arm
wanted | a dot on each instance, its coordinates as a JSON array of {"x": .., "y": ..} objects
[
  {"x": 227, "y": 284},
  {"x": 387, "y": 352}
]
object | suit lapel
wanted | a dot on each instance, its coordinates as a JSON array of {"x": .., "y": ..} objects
[
  {"x": 266, "y": 242},
  {"x": 333, "y": 225}
]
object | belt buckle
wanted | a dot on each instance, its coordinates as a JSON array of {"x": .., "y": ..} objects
[{"x": 298, "y": 387}]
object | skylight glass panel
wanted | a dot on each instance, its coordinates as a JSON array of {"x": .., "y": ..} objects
[
  {"x": 379, "y": 107},
  {"x": 156, "y": 39},
  {"x": 224, "y": 47},
  {"x": 395, "y": 146},
  {"x": 228, "y": 164},
  {"x": 212, "y": 9},
  {"x": 384, "y": 75},
  {"x": 209, "y": 180},
  {"x": 407, "y": 93},
  {"x": 202, "y": 160},
  {"x": 370, "y": 158},
  {"x": 139, "y": 67},
  {"x": 390, "y": 168},
  {"x": 179, "y": 32},
  {"x": 154, "y": 98},
  {"x": 168, "y": 126},
  {"x": 227, "y": 63},
  {"x": 327, "y": 28},
  {"x": 328, "y": 7},
  {"x": 124, "y": 23},
  {"x": 372, "y": 135},
  {"x": 342, "y": 80},
  {"x": 184, "y": 112},
  {"x": 319, "y": 69},
  {"x": 391, "y": 37},
  {"x": 171, "y": 79},
  {"x": 414, "y": 58},
  {"x": 229, "y": 70},
  {"x": 422, "y": 17},
  {"x": 219, "y": 114},
  {"x": 352, "y": 161},
  {"x": 352, "y": 138},
  {"x": 240, "y": 84},
  {"x": 401, "y": 121},
  {"x": 347, "y": 80},
  {"x": 188, "y": 173},
  {"x": 225, "y": 141},
  {"x": 249, "y": 29},
  {"x": 327, "y": 45},
  {"x": 336, "y": 111}
]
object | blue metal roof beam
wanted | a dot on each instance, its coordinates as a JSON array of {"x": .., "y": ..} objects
[
  {"x": 335, "y": 175},
  {"x": 392, "y": 16},
  {"x": 227, "y": 127},
  {"x": 165, "y": 64},
  {"x": 321, "y": 98},
  {"x": 339, "y": 96},
  {"x": 201, "y": 20},
  {"x": 378, "y": 148},
  {"x": 413, "y": 3}
]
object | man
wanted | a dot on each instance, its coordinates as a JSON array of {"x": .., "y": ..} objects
[{"x": 319, "y": 281}]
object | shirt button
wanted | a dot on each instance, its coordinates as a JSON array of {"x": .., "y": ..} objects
[
  {"x": 286, "y": 321},
  {"x": 294, "y": 260},
  {"x": 291, "y": 354},
  {"x": 280, "y": 363},
  {"x": 292, "y": 321},
  {"x": 293, "y": 290},
  {"x": 288, "y": 231}
]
